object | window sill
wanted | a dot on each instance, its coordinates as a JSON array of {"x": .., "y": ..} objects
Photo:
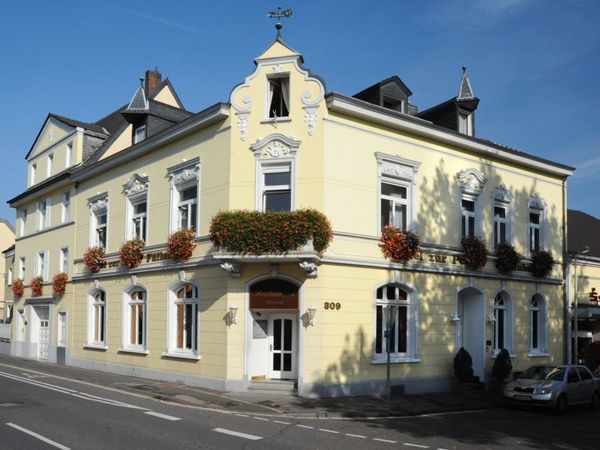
[
  {"x": 396, "y": 360},
  {"x": 137, "y": 351},
  {"x": 276, "y": 120},
  {"x": 495, "y": 353},
  {"x": 173, "y": 355},
  {"x": 96, "y": 346},
  {"x": 538, "y": 354}
]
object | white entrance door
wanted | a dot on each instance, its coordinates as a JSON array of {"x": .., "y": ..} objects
[
  {"x": 44, "y": 331},
  {"x": 471, "y": 334},
  {"x": 282, "y": 346}
]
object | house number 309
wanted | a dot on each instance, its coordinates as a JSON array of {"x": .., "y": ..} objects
[{"x": 332, "y": 305}]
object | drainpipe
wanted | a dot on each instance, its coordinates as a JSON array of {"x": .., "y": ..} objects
[{"x": 568, "y": 314}]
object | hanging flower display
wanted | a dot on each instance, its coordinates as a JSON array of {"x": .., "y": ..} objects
[
  {"x": 541, "y": 264},
  {"x": 59, "y": 283},
  {"x": 399, "y": 245},
  {"x": 94, "y": 259},
  {"x": 37, "y": 285},
  {"x": 131, "y": 252},
  {"x": 181, "y": 244},
  {"x": 17, "y": 287},
  {"x": 474, "y": 252},
  {"x": 507, "y": 258}
]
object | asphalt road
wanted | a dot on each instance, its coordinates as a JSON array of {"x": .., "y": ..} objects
[{"x": 41, "y": 411}]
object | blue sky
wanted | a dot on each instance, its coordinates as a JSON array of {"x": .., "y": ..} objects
[{"x": 535, "y": 64}]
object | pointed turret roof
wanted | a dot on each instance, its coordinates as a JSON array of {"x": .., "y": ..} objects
[
  {"x": 465, "y": 91},
  {"x": 139, "y": 102}
]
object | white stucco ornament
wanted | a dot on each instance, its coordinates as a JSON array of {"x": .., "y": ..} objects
[{"x": 471, "y": 181}]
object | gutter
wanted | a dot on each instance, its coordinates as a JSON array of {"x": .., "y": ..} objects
[{"x": 375, "y": 114}]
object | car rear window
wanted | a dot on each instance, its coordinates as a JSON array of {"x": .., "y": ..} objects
[{"x": 584, "y": 373}]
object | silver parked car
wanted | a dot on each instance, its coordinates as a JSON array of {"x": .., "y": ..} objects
[{"x": 556, "y": 386}]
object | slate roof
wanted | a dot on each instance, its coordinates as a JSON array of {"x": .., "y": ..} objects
[
  {"x": 138, "y": 102},
  {"x": 583, "y": 230}
]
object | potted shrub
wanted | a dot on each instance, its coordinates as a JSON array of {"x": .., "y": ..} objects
[
  {"x": 17, "y": 287},
  {"x": 463, "y": 366},
  {"x": 541, "y": 264},
  {"x": 181, "y": 244},
  {"x": 37, "y": 285},
  {"x": 474, "y": 252},
  {"x": 502, "y": 366},
  {"x": 131, "y": 252},
  {"x": 399, "y": 245},
  {"x": 93, "y": 259},
  {"x": 507, "y": 258},
  {"x": 59, "y": 283}
]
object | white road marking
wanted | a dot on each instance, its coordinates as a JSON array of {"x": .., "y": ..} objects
[
  {"x": 241, "y": 415},
  {"x": 252, "y": 437},
  {"x": 384, "y": 440},
  {"x": 261, "y": 418},
  {"x": 281, "y": 422},
  {"x": 328, "y": 431},
  {"x": 305, "y": 426},
  {"x": 162, "y": 416},
  {"x": 360, "y": 436},
  {"x": 415, "y": 445},
  {"x": 38, "y": 436}
]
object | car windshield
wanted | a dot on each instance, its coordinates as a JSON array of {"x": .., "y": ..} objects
[
  {"x": 541, "y": 373},
  {"x": 557, "y": 374}
]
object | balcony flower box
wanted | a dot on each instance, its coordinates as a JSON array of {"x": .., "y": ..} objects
[
  {"x": 93, "y": 259},
  {"x": 17, "y": 287},
  {"x": 131, "y": 252},
  {"x": 541, "y": 264},
  {"x": 59, "y": 283},
  {"x": 474, "y": 252},
  {"x": 181, "y": 244},
  {"x": 399, "y": 245},
  {"x": 37, "y": 286},
  {"x": 507, "y": 258}
]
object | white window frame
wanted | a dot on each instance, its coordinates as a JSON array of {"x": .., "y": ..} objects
[
  {"x": 9, "y": 276},
  {"x": 412, "y": 310},
  {"x": 538, "y": 309},
  {"x": 465, "y": 123},
  {"x": 64, "y": 260},
  {"x": 182, "y": 177},
  {"x": 61, "y": 331},
  {"x": 136, "y": 191},
  {"x": 49, "y": 165},
  {"x": 69, "y": 155},
  {"x": 502, "y": 198},
  {"x": 139, "y": 133},
  {"x": 23, "y": 227},
  {"x": 43, "y": 214},
  {"x": 532, "y": 227},
  {"x": 269, "y": 96},
  {"x": 402, "y": 172},
  {"x": 279, "y": 166},
  {"x": 465, "y": 215},
  {"x": 98, "y": 207},
  {"x": 41, "y": 264},
  {"x": 536, "y": 205},
  {"x": 66, "y": 207},
  {"x": 498, "y": 223},
  {"x": 22, "y": 262},
  {"x": 502, "y": 306},
  {"x": 173, "y": 332},
  {"x": 32, "y": 174},
  {"x": 128, "y": 302},
  {"x": 96, "y": 326},
  {"x": 135, "y": 218},
  {"x": 471, "y": 184}
]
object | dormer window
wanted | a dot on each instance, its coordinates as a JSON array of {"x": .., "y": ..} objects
[
  {"x": 139, "y": 134},
  {"x": 279, "y": 96},
  {"x": 393, "y": 103},
  {"x": 32, "y": 174},
  {"x": 49, "y": 165},
  {"x": 465, "y": 123}
]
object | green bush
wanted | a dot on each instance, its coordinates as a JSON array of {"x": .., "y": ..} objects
[
  {"x": 507, "y": 258},
  {"x": 463, "y": 366},
  {"x": 542, "y": 262},
  {"x": 257, "y": 233},
  {"x": 502, "y": 365},
  {"x": 474, "y": 252}
]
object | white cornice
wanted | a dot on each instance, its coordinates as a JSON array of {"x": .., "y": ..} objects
[{"x": 338, "y": 103}]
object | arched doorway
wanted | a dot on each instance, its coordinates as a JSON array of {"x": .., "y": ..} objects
[
  {"x": 470, "y": 330},
  {"x": 273, "y": 346}
]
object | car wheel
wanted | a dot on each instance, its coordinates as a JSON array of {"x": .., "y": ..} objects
[
  {"x": 561, "y": 404},
  {"x": 595, "y": 404}
]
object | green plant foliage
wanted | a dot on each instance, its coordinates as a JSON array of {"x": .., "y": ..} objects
[
  {"x": 463, "y": 366},
  {"x": 257, "y": 233},
  {"x": 507, "y": 258},
  {"x": 502, "y": 365},
  {"x": 399, "y": 245},
  {"x": 474, "y": 252},
  {"x": 541, "y": 264}
]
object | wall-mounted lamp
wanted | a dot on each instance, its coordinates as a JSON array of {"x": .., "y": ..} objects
[
  {"x": 311, "y": 311},
  {"x": 454, "y": 317},
  {"x": 491, "y": 318},
  {"x": 233, "y": 314}
]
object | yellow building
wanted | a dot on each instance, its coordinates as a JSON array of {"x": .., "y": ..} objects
[
  {"x": 232, "y": 320},
  {"x": 7, "y": 240}
]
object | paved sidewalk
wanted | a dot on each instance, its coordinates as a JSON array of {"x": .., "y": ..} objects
[{"x": 266, "y": 402}]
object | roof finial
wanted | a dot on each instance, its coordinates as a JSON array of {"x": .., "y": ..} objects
[
  {"x": 278, "y": 15},
  {"x": 142, "y": 83},
  {"x": 465, "y": 91}
]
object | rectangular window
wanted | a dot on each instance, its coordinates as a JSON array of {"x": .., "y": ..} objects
[
  {"x": 22, "y": 268},
  {"x": 66, "y": 207},
  {"x": 100, "y": 231},
  {"x": 534, "y": 230},
  {"x": 42, "y": 265},
  {"x": 276, "y": 187},
  {"x": 50, "y": 163},
  {"x": 43, "y": 214},
  {"x": 187, "y": 208},
  {"x": 398, "y": 333},
  {"x": 64, "y": 260},
  {"x": 279, "y": 96},
  {"x": 139, "y": 219},
  {"x": 32, "y": 174},
  {"x": 500, "y": 225},
  {"x": 394, "y": 205},
  {"x": 9, "y": 276},
  {"x": 136, "y": 319},
  {"x": 468, "y": 218},
  {"x": 62, "y": 329},
  {"x": 23, "y": 222},
  {"x": 139, "y": 134},
  {"x": 69, "y": 155},
  {"x": 465, "y": 124}
]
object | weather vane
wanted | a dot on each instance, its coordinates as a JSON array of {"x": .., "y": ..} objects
[{"x": 278, "y": 15}]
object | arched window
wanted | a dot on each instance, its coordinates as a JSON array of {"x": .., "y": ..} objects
[
  {"x": 134, "y": 320},
  {"x": 502, "y": 322},
  {"x": 403, "y": 332},
  {"x": 537, "y": 324},
  {"x": 183, "y": 320},
  {"x": 97, "y": 318}
]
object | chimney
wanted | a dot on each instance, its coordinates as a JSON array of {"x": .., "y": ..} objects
[{"x": 153, "y": 79}]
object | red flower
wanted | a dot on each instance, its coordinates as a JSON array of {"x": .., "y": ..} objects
[
  {"x": 94, "y": 259},
  {"x": 37, "y": 285},
  {"x": 399, "y": 245},
  {"x": 17, "y": 287},
  {"x": 132, "y": 252},
  {"x": 59, "y": 283}
]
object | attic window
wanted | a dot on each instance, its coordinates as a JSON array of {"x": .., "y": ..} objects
[
  {"x": 279, "y": 96},
  {"x": 465, "y": 123},
  {"x": 392, "y": 103},
  {"x": 139, "y": 134}
]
